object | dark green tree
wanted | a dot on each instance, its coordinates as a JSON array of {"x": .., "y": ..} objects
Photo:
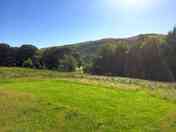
[
  {"x": 7, "y": 55},
  {"x": 25, "y": 52},
  {"x": 60, "y": 59},
  {"x": 4, "y": 53},
  {"x": 28, "y": 63},
  {"x": 111, "y": 60},
  {"x": 169, "y": 52},
  {"x": 68, "y": 64}
]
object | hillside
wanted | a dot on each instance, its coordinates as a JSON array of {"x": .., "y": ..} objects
[
  {"x": 129, "y": 56},
  {"x": 47, "y": 101},
  {"x": 90, "y": 48}
]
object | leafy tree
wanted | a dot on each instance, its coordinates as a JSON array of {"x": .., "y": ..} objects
[
  {"x": 28, "y": 63},
  {"x": 154, "y": 66},
  {"x": 111, "y": 60},
  {"x": 7, "y": 55},
  {"x": 68, "y": 64},
  {"x": 63, "y": 59},
  {"x": 37, "y": 60},
  {"x": 25, "y": 52},
  {"x": 4, "y": 50},
  {"x": 169, "y": 52},
  {"x": 50, "y": 58}
]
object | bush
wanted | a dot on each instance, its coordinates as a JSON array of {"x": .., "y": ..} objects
[
  {"x": 68, "y": 64},
  {"x": 28, "y": 63}
]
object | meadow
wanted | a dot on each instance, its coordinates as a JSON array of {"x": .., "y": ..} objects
[{"x": 50, "y": 101}]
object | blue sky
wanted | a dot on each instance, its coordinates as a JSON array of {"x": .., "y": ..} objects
[{"x": 57, "y": 22}]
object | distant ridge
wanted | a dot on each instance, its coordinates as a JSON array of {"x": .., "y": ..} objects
[{"x": 90, "y": 48}]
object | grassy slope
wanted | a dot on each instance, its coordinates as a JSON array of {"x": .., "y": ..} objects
[{"x": 42, "y": 101}]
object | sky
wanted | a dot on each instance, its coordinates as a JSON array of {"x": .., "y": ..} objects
[{"x": 58, "y": 22}]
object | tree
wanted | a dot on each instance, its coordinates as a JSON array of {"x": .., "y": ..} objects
[
  {"x": 134, "y": 61},
  {"x": 50, "y": 58},
  {"x": 7, "y": 55},
  {"x": 102, "y": 62},
  {"x": 25, "y": 52},
  {"x": 68, "y": 64},
  {"x": 111, "y": 60},
  {"x": 169, "y": 52},
  {"x": 143, "y": 60},
  {"x": 62, "y": 58},
  {"x": 28, "y": 63},
  {"x": 154, "y": 66}
]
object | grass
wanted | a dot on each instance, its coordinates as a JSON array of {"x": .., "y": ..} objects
[{"x": 47, "y": 101}]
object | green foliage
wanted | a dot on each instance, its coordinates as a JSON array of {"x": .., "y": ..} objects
[
  {"x": 25, "y": 52},
  {"x": 68, "y": 64},
  {"x": 64, "y": 59},
  {"x": 28, "y": 63},
  {"x": 7, "y": 55},
  {"x": 170, "y": 52},
  {"x": 141, "y": 60},
  {"x": 110, "y": 60}
]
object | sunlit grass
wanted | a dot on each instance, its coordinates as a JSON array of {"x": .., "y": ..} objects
[{"x": 47, "y": 101}]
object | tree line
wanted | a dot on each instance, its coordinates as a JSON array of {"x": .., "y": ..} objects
[
  {"x": 150, "y": 58},
  {"x": 62, "y": 59}
]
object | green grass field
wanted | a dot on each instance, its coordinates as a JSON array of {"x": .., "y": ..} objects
[{"x": 47, "y": 101}]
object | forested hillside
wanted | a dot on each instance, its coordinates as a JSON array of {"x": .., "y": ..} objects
[
  {"x": 91, "y": 48},
  {"x": 147, "y": 56}
]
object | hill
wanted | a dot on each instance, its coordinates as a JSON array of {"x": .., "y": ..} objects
[
  {"x": 90, "y": 48},
  {"x": 129, "y": 56},
  {"x": 42, "y": 101}
]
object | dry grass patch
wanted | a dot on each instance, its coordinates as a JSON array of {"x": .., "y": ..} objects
[{"x": 168, "y": 124}]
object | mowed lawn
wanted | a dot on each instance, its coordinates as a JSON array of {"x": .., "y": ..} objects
[{"x": 68, "y": 105}]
